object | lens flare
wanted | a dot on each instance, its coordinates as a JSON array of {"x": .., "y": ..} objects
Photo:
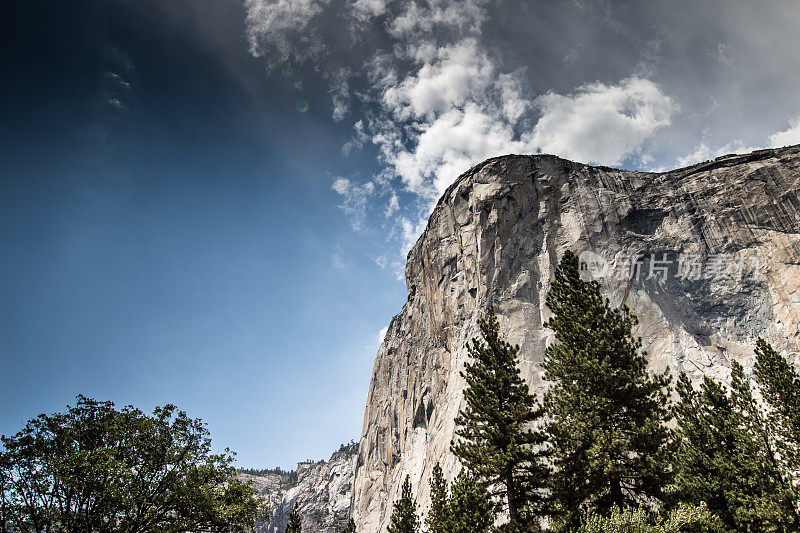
[{"x": 302, "y": 105}]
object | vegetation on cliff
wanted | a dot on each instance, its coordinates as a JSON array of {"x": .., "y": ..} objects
[{"x": 605, "y": 456}]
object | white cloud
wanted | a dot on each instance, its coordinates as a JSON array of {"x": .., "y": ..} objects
[
  {"x": 278, "y": 22},
  {"x": 450, "y": 145},
  {"x": 376, "y": 341},
  {"x": 340, "y": 93},
  {"x": 454, "y": 74},
  {"x": 463, "y": 16},
  {"x": 394, "y": 205},
  {"x": 363, "y": 10},
  {"x": 382, "y": 334},
  {"x": 357, "y": 141},
  {"x": 703, "y": 153},
  {"x": 723, "y": 54},
  {"x": 601, "y": 123},
  {"x": 354, "y": 200},
  {"x": 411, "y": 232},
  {"x": 787, "y": 137},
  {"x": 437, "y": 101},
  {"x": 337, "y": 262},
  {"x": 778, "y": 139}
]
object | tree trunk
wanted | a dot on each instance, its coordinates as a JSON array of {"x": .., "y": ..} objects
[
  {"x": 511, "y": 497},
  {"x": 616, "y": 493}
]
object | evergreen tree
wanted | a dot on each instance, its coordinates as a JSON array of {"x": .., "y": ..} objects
[
  {"x": 723, "y": 457},
  {"x": 780, "y": 389},
  {"x": 439, "y": 519},
  {"x": 404, "y": 515},
  {"x": 294, "y": 525},
  {"x": 496, "y": 442},
  {"x": 350, "y": 527},
  {"x": 471, "y": 511},
  {"x": 467, "y": 509},
  {"x": 606, "y": 412}
]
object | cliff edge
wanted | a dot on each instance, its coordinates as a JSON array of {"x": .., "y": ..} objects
[{"x": 708, "y": 257}]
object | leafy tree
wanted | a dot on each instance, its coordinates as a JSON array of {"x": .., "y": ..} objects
[
  {"x": 467, "y": 509},
  {"x": 294, "y": 525},
  {"x": 96, "y": 468},
  {"x": 684, "y": 519},
  {"x": 780, "y": 389},
  {"x": 350, "y": 527},
  {"x": 496, "y": 442},
  {"x": 404, "y": 515},
  {"x": 723, "y": 457},
  {"x": 606, "y": 412}
]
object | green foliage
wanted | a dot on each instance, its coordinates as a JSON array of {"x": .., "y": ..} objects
[
  {"x": 723, "y": 457},
  {"x": 466, "y": 509},
  {"x": 496, "y": 442},
  {"x": 294, "y": 525},
  {"x": 404, "y": 515},
  {"x": 684, "y": 519},
  {"x": 288, "y": 478},
  {"x": 96, "y": 468},
  {"x": 438, "y": 519},
  {"x": 350, "y": 527},
  {"x": 780, "y": 389},
  {"x": 606, "y": 412}
]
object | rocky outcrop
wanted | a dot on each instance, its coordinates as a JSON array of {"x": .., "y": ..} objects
[
  {"x": 322, "y": 494},
  {"x": 717, "y": 251}
]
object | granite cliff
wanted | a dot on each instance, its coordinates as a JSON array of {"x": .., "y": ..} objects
[
  {"x": 708, "y": 257},
  {"x": 322, "y": 494}
]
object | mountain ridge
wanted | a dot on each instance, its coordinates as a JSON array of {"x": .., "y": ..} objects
[{"x": 495, "y": 236}]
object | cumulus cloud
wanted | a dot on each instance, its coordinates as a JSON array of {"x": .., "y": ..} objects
[
  {"x": 787, "y": 137},
  {"x": 435, "y": 100},
  {"x": 449, "y": 145},
  {"x": 446, "y": 77},
  {"x": 601, "y": 123}
]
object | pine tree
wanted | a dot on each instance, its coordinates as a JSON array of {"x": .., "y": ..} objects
[
  {"x": 404, "y": 515},
  {"x": 350, "y": 527},
  {"x": 780, "y": 389},
  {"x": 294, "y": 525},
  {"x": 439, "y": 519},
  {"x": 471, "y": 511},
  {"x": 496, "y": 442},
  {"x": 467, "y": 509},
  {"x": 724, "y": 458},
  {"x": 606, "y": 412}
]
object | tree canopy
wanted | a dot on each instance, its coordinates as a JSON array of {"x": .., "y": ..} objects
[
  {"x": 497, "y": 441},
  {"x": 404, "y": 515},
  {"x": 95, "y": 468},
  {"x": 606, "y": 412}
]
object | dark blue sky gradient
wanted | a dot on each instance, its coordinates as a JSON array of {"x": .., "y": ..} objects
[{"x": 177, "y": 248}]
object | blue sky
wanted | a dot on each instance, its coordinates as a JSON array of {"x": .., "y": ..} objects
[{"x": 173, "y": 229}]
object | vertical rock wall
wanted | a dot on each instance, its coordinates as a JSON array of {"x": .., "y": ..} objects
[{"x": 495, "y": 238}]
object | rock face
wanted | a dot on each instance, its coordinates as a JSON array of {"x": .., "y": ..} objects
[
  {"x": 322, "y": 493},
  {"x": 730, "y": 229}
]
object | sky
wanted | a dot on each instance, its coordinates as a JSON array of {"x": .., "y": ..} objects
[{"x": 209, "y": 202}]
